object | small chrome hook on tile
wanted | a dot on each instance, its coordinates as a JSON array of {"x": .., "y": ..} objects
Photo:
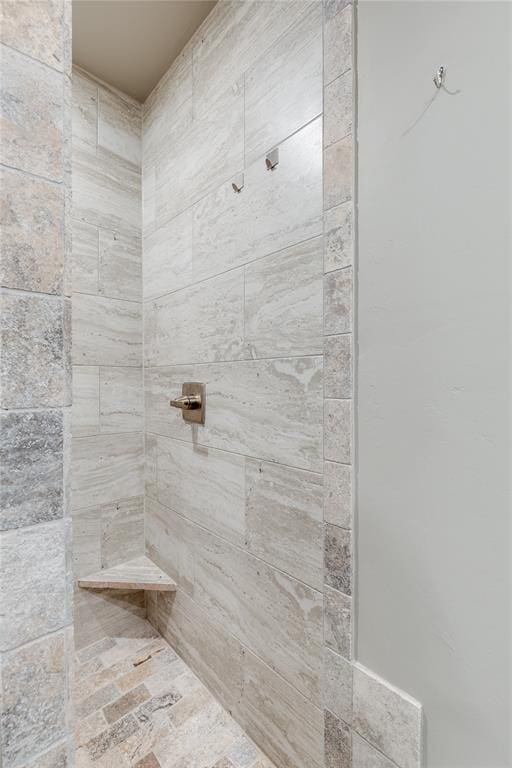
[
  {"x": 238, "y": 184},
  {"x": 439, "y": 77},
  {"x": 272, "y": 159}
]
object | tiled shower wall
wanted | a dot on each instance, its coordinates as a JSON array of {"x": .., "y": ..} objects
[
  {"x": 107, "y": 483},
  {"x": 36, "y": 637}
]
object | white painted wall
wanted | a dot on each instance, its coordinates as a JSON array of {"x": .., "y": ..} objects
[{"x": 434, "y": 544}]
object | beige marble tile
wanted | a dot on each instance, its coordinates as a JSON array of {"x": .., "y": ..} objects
[
  {"x": 35, "y": 28},
  {"x": 338, "y": 109},
  {"x": 32, "y": 115},
  {"x": 85, "y": 257},
  {"x": 283, "y": 88},
  {"x": 274, "y": 210},
  {"x": 338, "y": 301},
  {"x": 167, "y": 263},
  {"x": 338, "y": 172},
  {"x": 338, "y": 622},
  {"x": 284, "y": 519},
  {"x": 120, "y": 125},
  {"x": 338, "y": 45},
  {"x": 85, "y": 110},
  {"x": 337, "y": 685},
  {"x": 150, "y": 463},
  {"x": 338, "y": 237},
  {"x": 106, "y": 331},
  {"x": 365, "y": 756},
  {"x": 338, "y": 380},
  {"x": 201, "y": 323},
  {"x": 274, "y": 714},
  {"x": 86, "y": 392},
  {"x": 121, "y": 399},
  {"x": 120, "y": 265},
  {"x": 163, "y": 539},
  {"x": 283, "y": 302},
  {"x": 338, "y": 494},
  {"x": 86, "y": 541},
  {"x": 122, "y": 531},
  {"x": 31, "y": 212},
  {"x": 388, "y": 718},
  {"x": 338, "y": 431},
  {"x": 106, "y": 468},
  {"x": 337, "y": 742}
]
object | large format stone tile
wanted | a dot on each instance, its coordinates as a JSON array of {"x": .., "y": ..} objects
[
  {"x": 283, "y": 302},
  {"x": 33, "y": 703},
  {"x": 274, "y": 210},
  {"x": 34, "y": 352},
  {"x": 35, "y": 28},
  {"x": 31, "y": 468},
  {"x": 86, "y": 541},
  {"x": 32, "y": 233},
  {"x": 106, "y": 468},
  {"x": 338, "y": 44},
  {"x": 32, "y": 115},
  {"x": 275, "y": 714},
  {"x": 86, "y": 400},
  {"x": 163, "y": 530},
  {"x": 34, "y": 583},
  {"x": 85, "y": 110},
  {"x": 120, "y": 265},
  {"x": 337, "y": 685},
  {"x": 283, "y": 89},
  {"x": 120, "y": 125},
  {"x": 201, "y": 323},
  {"x": 106, "y": 331},
  {"x": 167, "y": 263},
  {"x": 122, "y": 531},
  {"x": 388, "y": 718},
  {"x": 85, "y": 261},
  {"x": 338, "y": 109},
  {"x": 284, "y": 519},
  {"x": 56, "y": 757},
  {"x": 121, "y": 399}
]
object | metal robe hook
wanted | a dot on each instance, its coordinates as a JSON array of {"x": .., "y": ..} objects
[
  {"x": 272, "y": 159},
  {"x": 439, "y": 77}
]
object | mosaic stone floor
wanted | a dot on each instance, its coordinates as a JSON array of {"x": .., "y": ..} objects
[{"x": 138, "y": 705}]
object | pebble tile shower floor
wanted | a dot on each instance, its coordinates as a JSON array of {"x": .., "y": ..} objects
[{"x": 138, "y": 705}]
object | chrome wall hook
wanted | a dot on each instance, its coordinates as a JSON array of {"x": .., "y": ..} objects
[
  {"x": 272, "y": 159},
  {"x": 238, "y": 184},
  {"x": 439, "y": 77}
]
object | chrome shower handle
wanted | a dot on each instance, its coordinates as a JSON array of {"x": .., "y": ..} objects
[{"x": 187, "y": 402}]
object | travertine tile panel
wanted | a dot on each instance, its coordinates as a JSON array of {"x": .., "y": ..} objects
[
  {"x": 33, "y": 352},
  {"x": 32, "y": 115},
  {"x": 85, "y": 110},
  {"x": 122, "y": 531},
  {"x": 337, "y": 742},
  {"x": 31, "y": 468},
  {"x": 284, "y": 519},
  {"x": 86, "y": 541},
  {"x": 34, "y": 583},
  {"x": 119, "y": 125},
  {"x": 338, "y": 240},
  {"x": 150, "y": 464},
  {"x": 32, "y": 239},
  {"x": 365, "y": 756},
  {"x": 106, "y": 468},
  {"x": 204, "y": 485},
  {"x": 202, "y": 323},
  {"x": 33, "y": 701},
  {"x": 86, "y": 393},
  {"x": 338, "y": 558},
  {"x": 338, "y": 45},
  {"x": 338, "y": 366},
  {"x": 338, "y": 494},
  {"x": 337, "y": 685},
  {"x": 121, "y": 399},
  {"x": 106, "y": 331},
  {"x": 275, "y": 714},
  {"x": 164, "y": 104},
  {"x": 120, "y": 265},
  {"x": 338, "y": 622},
  {"x": 338, "y": 109},
  {"x": 85, "y": 257},
  {"x": 338, "y": 301},
  {"x": 114, "y": 612},
  {"x": 163, "y": 534},
  {"x": 338, "y": 172},
  {"x": 338, "y": 431},
  {"x": 167, "y": 263},
  {"x": 283, "y": 89},
  {"x": 388, "y": 718},
  {"x": 283, "y": 302},
  {"x": 274, "y": 210},
  {"x": 36, "y": 29}
]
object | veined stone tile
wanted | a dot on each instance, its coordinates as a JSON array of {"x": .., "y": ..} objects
[
  {"x": 33, "y": 352},
  {"x": 121, "y": 399},
  {"x": 163, "y": 538},
  {"x": 338, "y": 366},
  {"x": 387, "y": 717},
  {"x": 31, "y": 468},
  {"x": 283, "y": 302},
  {"x": 33, "y": 701},
  {"x": 338, "y": 171},
  {"x": 338, "y": 239},
  {"x": 106, "y": 331},
  {"x": 338, "y": 558},
  {"x": 338, "y": 494},
  {"x": 338, "y": 109},
  {"x": 85, "y": 257},
  {"x": 86, "y": 396},
  {"x": 32, "y": 233},
  {"x": 283, "y": 89},
  {"x": 159, "y": 385},
  {"x": 32, "y": 115},
  {"x": 150, "y": 463},
  {"x": 116, "y": 612},
  {"x": 201, "y": 323},
  {"x": 114, "y": 735},
  {"x": 34, "y": 582},
  {"x": 167, "y": 263},
  {"x": 337, "y": 685},
  {"x": 86, "y": 541},
  {"x": 106, "y": 468},
  {"x": 120, "y": 125},
  {"x": 338, "y": 45},
  {"x": 337, "y": 742},
  {"x": 35, "y": 29},
  {"x": 85, "y": 109},
  {"x": 120, "y": 265},
  {"x": 274, "y": 210},
  {"x": 204, "y": 485},
  {"x": 106, "y": 190},
  {"x": 338, "y": 622},
  {"x": 365, "y": 756},
  {"x": 284, "y": 519},
  {"x": 277, "y": 715},
  {"x": 338, "y": 431},
  {"x": 338, "y": 301},
  {"x": 122, "y": 531},
  {"x": 126, "y": 703}
]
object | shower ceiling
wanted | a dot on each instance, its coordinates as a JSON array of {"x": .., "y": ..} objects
[{"x": 131, "y": 43}]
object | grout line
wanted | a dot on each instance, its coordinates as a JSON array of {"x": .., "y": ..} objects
[
  {"x": 31, "y": 175},
  {"x": 36, "y": 61},
  {"x": 240, "y": 360}
]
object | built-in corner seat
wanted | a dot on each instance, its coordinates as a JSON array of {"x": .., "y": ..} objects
[{"x": 141, "y": 573}]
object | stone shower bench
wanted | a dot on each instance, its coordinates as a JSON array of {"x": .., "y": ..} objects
[{"x": 141, "y": 573}]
